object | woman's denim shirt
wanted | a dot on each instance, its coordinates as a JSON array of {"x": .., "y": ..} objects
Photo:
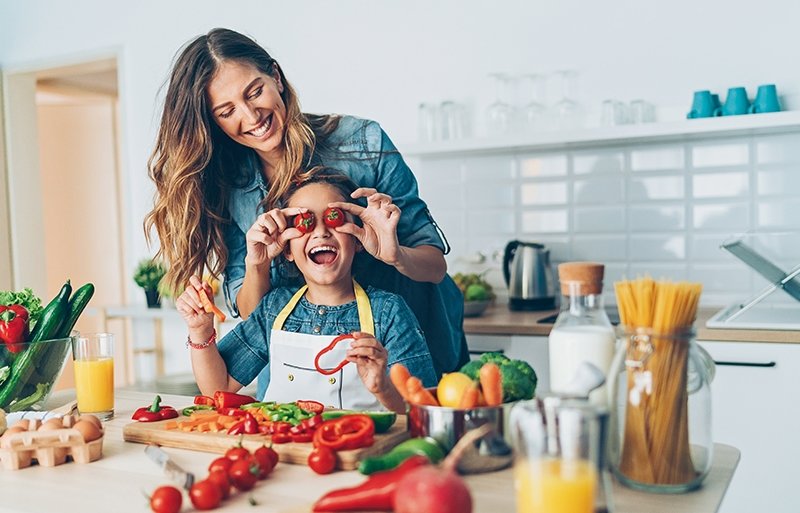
[
  {"x": 363, "y": 151},
  {"x": 246, "y": 348}
]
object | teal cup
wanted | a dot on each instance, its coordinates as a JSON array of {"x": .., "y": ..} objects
[
  {"x": 766, "y": 100},
  {"x": 717, "y": 103},
  {"x": 702, "y": 105},
  {"x": 736, "y": 103}
]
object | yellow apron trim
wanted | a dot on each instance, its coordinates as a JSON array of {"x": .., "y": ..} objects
[{"x": 362, "y": 303}]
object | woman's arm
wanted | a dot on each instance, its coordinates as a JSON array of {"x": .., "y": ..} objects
[
  {"x": 423, "y": 263},
  {"x": 254, "y": 287}
]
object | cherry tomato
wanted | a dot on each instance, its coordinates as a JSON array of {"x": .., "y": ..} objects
[
  {"x": 238, "y": 453},
  {"x": 322, "y": 460},
  {"x": 272, "y": 454},
  {"x": 205, "y": 495},
  {"x": 333, "y": 217},
  {"x": 265, "y": 462},
  {"x": 166, "y": 499},
  {"x": 244, "y": 474},
  {"x": 222, "y": 463},
  {"x": 220, "y": 478},
  {"x": 305, "y": 222}
]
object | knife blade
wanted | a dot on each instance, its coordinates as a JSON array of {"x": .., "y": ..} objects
[{"x": 171, "y": 469}]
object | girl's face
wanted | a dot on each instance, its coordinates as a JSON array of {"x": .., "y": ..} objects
[
  {"x": 247, "y": 105},
  {"x": 324, "y": 256}
]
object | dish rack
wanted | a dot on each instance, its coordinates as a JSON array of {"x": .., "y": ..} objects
[{"x": 48, "y": 448}]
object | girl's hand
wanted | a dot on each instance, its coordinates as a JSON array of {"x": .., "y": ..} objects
[
  {"x": 380, "y": 218},
  {"x": 370, "y": 356},
  {"x": 191, "y": 307},
  {"x": 269, "y": 235}
]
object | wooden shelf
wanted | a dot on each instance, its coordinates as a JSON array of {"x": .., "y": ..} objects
[{"x": 729, "y": 126}]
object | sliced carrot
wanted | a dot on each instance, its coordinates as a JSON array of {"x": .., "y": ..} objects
[
  {"x": 210, "y": 307},
  {"x": 470, "y": 397},
  {"x": 399, "y": 375},
  {"x": 418, "y": 394},
  {"x": 492, "y": 384},
  {"x": 171, "y": 424}
]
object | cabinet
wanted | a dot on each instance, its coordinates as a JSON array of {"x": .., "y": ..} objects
[
  {"x": 518, "y": 347},
  {"x": 755, "y": 409}
]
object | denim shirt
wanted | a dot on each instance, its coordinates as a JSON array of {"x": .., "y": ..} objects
[
  {"x": 364, "y": 152},
  {"x": 246, "y": 348}
]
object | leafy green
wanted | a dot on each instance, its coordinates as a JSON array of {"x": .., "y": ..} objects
[
  {"x": 26, "y": 402},
  {"x": 26, "y": 298}
]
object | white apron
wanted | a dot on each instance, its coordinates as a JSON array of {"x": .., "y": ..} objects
[{"x": 293, "y": 375}]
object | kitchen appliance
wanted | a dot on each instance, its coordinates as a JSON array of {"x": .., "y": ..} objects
[{"x": 529, "y": 277}]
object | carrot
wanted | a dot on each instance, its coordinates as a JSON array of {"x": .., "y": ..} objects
[
  {"x": 492, "y": 384},
  {"x": 470, "y": 397},
  {"x": 210, "y": 307},
  {"x": 172, "y": 424},
  {"x": 399, "y": 376},
  {"x": 418, "y": 394}
]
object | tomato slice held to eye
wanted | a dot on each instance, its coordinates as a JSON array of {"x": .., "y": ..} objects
[
  {"x": 333, "y": 217},
  {"x": 305, "y": 222}
]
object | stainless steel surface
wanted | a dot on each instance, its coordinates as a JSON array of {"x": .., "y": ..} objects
[
  {"x": 171, "y": 469},
  {"x": 529, "y": 275}
]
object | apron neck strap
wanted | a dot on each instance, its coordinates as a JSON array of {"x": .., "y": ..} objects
[{"x": 362, "y": 303}]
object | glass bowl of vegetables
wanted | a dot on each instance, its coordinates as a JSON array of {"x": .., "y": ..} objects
[{"x": 29, "y": 370}]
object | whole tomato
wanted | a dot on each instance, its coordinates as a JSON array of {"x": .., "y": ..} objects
[
  {"x": 305, "y": 222},
  {"x": 222, "y": 463},
  {"x": 265, "y": 462},
  {"x": 244, "y": 474},
  {"x": 205, "y": 495},
  {"x": 237, "y": 453},
  {"x": 333, "y": 217},
  {"x": 223, "y": 482},
  {"x": 322, "y": 460},
  {"x": 166, "y": 499}
]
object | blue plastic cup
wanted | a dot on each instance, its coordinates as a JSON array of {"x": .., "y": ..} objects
[
  {"x": 766, "y": 100},
  {"x": 736, "y": 103},
  {"x": 702, "y": 105}
]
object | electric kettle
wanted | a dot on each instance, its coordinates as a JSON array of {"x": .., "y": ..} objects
[{"x": 529, "y": 277}]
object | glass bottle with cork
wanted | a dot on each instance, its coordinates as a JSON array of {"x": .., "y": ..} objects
[{"x": 582, "y": 331}]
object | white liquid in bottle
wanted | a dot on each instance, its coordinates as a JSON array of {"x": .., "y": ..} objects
[{"x": 569, "y": 346}]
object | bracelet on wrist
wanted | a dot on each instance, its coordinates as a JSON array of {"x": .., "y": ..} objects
[{"x": 211, "y": 340}]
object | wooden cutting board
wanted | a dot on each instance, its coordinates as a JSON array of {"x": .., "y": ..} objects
[{"x": 154, "y": 433}]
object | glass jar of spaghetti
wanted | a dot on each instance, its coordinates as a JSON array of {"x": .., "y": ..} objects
[{"x": 660, "y": 399}]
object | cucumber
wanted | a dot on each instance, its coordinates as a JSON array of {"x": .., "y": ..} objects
[
  {"x": 50, "y": 321},
  {"x": 77, "y": 303}
]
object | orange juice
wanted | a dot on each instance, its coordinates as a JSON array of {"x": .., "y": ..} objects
[
  {"x": 555, "y": 486},
  {"x": 94, "y": 385}
]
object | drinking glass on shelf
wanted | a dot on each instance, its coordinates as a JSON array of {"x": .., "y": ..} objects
[
  {"x": 613, "y": 113},
  {"x": 642, "y": 112},
  {"x": 534, "y": 112},
  {"x": 568, "y": 112},
  {"x": 500, "y": 114},
  {"x": 451, "y": 118},
  {"x": 93, "y": 361},
  {"x": 428, "y": 122}
]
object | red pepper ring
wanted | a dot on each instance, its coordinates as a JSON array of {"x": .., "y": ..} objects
[{"x": 328, "y": 372}]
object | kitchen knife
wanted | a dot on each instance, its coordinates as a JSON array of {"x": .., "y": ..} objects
[{"x": 171, "y": 469}]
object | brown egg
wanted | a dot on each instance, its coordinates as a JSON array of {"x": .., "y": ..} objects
[
  {"x": 52, "y": 424},
  {"x": 88, "y": 430},
  {"x": 24, "y": 424},
  {"x": 94, "y": 420},
  {"x": 13, "y": 430}
]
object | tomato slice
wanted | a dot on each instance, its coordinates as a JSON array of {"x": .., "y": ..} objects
[{"x": 310, "y": 406}]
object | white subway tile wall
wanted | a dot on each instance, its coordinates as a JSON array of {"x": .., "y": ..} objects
[{"x": 659, "y": 209}]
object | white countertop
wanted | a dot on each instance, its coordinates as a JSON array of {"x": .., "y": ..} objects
[{"x": 119, "y": 479}]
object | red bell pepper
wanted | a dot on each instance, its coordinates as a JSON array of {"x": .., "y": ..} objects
[
  {"x": 155, "y": 412},
  {"x": 345, "y": 433},
  {"x": 328, "y": 372},
  {"x": 374, "y": 494},
  {"x": 204, "y": 400},
  {"x": 310, "y": 406},
  {"x": 231, "y": 400},
  {"x": 13, "y": 327}
]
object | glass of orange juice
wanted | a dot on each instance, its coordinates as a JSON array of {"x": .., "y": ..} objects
[
  {"x": 558, "y": 449},
  {"x": 93, "y": 360}
]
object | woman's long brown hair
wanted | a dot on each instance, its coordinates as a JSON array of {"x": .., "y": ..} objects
[{"x": 195, "y": 164}]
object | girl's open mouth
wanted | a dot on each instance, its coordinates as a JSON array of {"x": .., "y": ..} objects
[{"x": 323, "y": 255}]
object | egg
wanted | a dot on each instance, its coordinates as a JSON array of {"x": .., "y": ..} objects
[
  {"x": 88, "y": 430},
  {"x": 52, "y": 424},
  {"x": 13, "y": 430},
  {"x": 94, "y": 420}
]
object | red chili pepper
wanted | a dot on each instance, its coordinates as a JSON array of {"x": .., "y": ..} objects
[
  {"x": 13, "y": 327},
  {"x": 376, "y": 493},
  {"x": 237, "y": 428},
  {"x": 204, "y": 400},
  {"x": 231, "y": 400},
  {"x": 345, "y": 433},
  {"x": 310, "y": 406},
  {"x": 154, "y": 412},
  {"x": 328, "y": 372}
]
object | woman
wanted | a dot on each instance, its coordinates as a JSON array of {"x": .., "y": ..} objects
[{"x": 231, "y": 141}]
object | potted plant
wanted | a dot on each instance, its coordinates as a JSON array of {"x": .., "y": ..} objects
[{"x": 148, "y": 275}]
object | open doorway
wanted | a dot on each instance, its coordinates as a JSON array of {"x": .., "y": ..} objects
[{"x": 64, "y": 191}]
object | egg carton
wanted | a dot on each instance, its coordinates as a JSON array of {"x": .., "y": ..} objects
[{"x": 48, "y": 448}]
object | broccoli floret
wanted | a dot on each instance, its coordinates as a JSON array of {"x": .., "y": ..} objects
[
  {"x": 472, "y": 368},
  {"x": 516, "y": 385},
  {"x": 497, "y": 358},
  {"x": 526, "y": 369}
]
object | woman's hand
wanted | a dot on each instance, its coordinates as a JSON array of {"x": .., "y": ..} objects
[
  {"x": 191, "y": 307},
  {"x": 378, "y": 236},
  {"x": 270, "y": 233},
  {"x": 370, "y": 356}
]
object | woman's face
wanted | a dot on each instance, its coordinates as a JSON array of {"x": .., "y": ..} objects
[{"x": 247, "y": 105}]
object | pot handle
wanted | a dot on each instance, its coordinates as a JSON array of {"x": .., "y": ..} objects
[{"x": 511, "y": 248}]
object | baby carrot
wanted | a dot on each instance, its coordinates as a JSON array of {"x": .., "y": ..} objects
[
  {"x": 210, "y": 307},
  {"x": 492, "y": 384},
  {"x": 417, "y": 394},
  {"x": 399, "y": 376},
  {"x": 470, "y": 397}
]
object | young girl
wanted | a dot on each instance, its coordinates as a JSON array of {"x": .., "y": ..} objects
[{"x": 291, "y": 326}]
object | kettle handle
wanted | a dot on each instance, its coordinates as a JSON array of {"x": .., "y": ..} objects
[{"x": 511, "y": 248}]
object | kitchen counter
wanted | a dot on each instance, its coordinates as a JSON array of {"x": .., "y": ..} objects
[
  {"x": 119, "y": 479},
  {"x": 499, "y": 320}
]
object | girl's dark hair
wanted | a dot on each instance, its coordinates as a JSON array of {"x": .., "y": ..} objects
[{"x": 321, "y": 174}]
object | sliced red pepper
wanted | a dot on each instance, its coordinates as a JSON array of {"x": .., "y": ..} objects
[
  {"x": 155, "y": 412},
  {"x": 204, "y": 400},
  {"x": 314, "y": 422},
  {"x": 250, "y": 424},
  {"x": 376, "y": 493},
  {"x": 13, "y": 327},
  {"x": 281, "y": 427},
  {"x": 237, "y": 428},
  {"x": 302, "y": 438},
  {"x": 224, "y": 400},
  {"x": 345, "y": 433},
  {"x": 328, "y": 372},
  {"x": 263, "y": 429},
  {"x": 231, "y": 412},
  {"x": 281, "y": 438},
  {"x": 310, "y": 406}
]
